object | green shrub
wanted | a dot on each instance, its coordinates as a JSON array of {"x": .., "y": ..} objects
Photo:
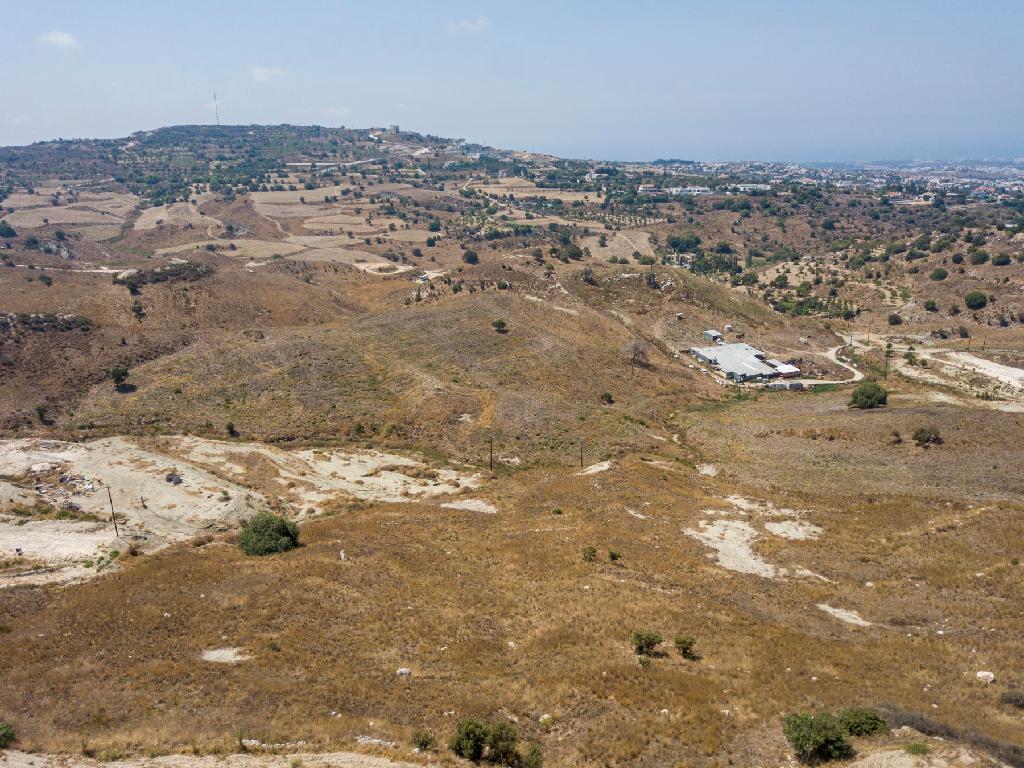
[
  {"x": 469, "y": 740},
  {"x": 938, "y": 274},
  {"x": 589, "y": 554},
  {"x": 614, "y": 556},
  {"x": 502, "y": 741},
  {"x": 925, "y": 436},
  {"x": 266, "y": 534},
  {"x": 916, "y": 748},
  {"x": 975, "y": 300},
  {"x": 533, "y": 758},
  {"x": 816, "y": 737},
  {"x": 931, "y": 306},
  {"x": 858, "y": 721},
  {"x": 645, "y": 642},
  {"x": 7, "y": 735},
  {"x": 424, "y": 741},
  {"x": 685, "y": 644},
  {"x": 869, "y": 394}
]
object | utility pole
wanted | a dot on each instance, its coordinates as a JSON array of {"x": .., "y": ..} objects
[
  {"x": 216, "y": 111},
  {"x": 581, "y": 454},
  {"x": 113, "y": 519}
]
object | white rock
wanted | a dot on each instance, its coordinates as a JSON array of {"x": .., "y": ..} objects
[
  {"x": 403, "y": 672},
  {"x": 986, "y": 677}
]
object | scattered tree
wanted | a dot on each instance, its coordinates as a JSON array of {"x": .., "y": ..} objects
[
  {"x": 685, "y": 644},
  {"x": 636, "y": 351},
  {"x": 119, "y": 375},
  {"x": 816, "y": 737},
  {"x": 266, "y": 534},
  {"x": 644, "y": 642},
  {"x": 925, "y": 436},
  {"x": 975, "y": 300},
  {"x": 869, "y": 394}
]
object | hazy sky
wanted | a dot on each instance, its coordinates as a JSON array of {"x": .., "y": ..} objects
[{"x": 734, "y": 79}]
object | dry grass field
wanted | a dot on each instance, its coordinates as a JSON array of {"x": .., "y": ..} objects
[{"x": 457, "y": 395}]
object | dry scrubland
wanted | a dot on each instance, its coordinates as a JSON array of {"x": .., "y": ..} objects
[
  {"x": 337, "y": 360},
  {"x": 500, "y": 614}
]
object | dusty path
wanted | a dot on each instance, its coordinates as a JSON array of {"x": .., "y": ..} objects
[{"x": 1009, "y": 379}]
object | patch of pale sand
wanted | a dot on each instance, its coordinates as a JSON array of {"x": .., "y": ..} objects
[
  {"x": 472, "y": 505},
  {"x": 1004, "y": 373},
  {"x": 137, "y": 478},
  {"x": 593, "y": 469},
  {"x": 793, "y": 529},
  {"x": 637, "y": 515},
  {"x": 844, "y": 614},
  {"x": 255, "y": 758},
  {"x": 56, "y": 541},
  {"x": 12, "y": 494},
  {"x": 765, "y": 508},
  {"x": 175, "y": 214},
  {"x": 538, "y": 300},
  {"x": 732, "y": 542},
  {"x": 709, "y": 470},
  {"x": 225, "y": 655},
  {"x": 318, "y": 475}
]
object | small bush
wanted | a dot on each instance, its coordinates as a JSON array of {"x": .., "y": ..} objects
[
  {"x": 925, "y": 436},
  {"x": 938, "y": 274},
  {"x": 614, "y": 556},
  {"x": 500, "y": 326},
  {"x": 502, "y": 741},
  {"x": 895, "y": 319},
  {"x": 863, "y": 722},
  {"x": 685, "y": 644},
  {"x": 589, "y": 554},
  {"x": 975, "y": 300},
  {"x": 1013, "y": 699},
  {"x": 816, "y": 737},
  {"x": 869, "y": 394},
  {"x": 469, "y": 740},
  {"x": 916, "y": 748},
  {"x": 533, "y": 758},
  {"x": 266, "y": 534},
  {"x": 424, "y": 741},
  {"x": 645, "y": 642},
  {"x": 7, "y": 735}
]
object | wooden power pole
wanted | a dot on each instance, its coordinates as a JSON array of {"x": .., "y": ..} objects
[{"x": 113, "y": 518}]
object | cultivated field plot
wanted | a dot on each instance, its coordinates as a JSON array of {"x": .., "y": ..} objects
[
  {"x": 525, "y": 188},
  {"x": 175, "y": 214},
  {"x": 78, "y": 214}
]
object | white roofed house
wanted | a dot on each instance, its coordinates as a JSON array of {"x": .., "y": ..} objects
[{"x": 741, "y": 362}]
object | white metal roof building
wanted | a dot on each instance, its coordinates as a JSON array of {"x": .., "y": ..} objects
[{"x": 742, "y": 362}]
